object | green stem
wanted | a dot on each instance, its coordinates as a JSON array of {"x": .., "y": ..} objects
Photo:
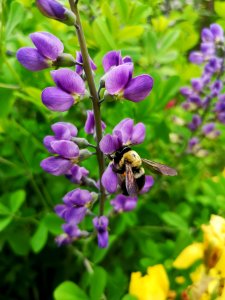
[{"x": 94, "y": 98}]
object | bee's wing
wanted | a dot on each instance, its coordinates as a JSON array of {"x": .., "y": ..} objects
[
  {"x": 131, "y": 185},
  {"x": 160, "y": 168}
]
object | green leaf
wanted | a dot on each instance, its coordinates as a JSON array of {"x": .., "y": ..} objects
[
  {"x": 16, "y": 200},
  {"x": 4, "y": 222},
  {"x": 53, "y": 223},
  {"x": 68, "y": 290},
  {"x": 96, "y": 290},
  {"x": 130, "y": 32},
  {"x": 15, "y": 17},
  {"x": 19, "y": 241},
  {"x": 39, "y": 238},
  {"x": 168, "y": 40},
  {"x": 102, "y": 34},
  {"x": 4, "y": 210},
  {"x": 173, "y": 219},
  {"x": 220, "y": 8},
  {"x": 129, "y": 297}
]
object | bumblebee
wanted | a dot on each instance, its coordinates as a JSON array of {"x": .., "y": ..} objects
[{"x": 129, "y": 167}]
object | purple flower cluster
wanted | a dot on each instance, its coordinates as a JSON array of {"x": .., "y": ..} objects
[
  {"x": 66, "y": 148},
  {"x": 204, "y": 98}
]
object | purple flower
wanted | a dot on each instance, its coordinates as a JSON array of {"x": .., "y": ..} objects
[
  {"x": 207, "y": 35},
  {"x": 214, "y": 65},
  {"x": 210, "y": 131},
  {"x": 54, "y": 10},
  {"x": 197, "y": 84},
  {"x": 71, "y": 234},
  {"x": 195, "y": 123},
  {"x": 217, "y": 32},
  {"x": 56, "y": 165},
  {"x": 196, "y": 57},
  {"x": 149, "y": 181},
  {"x": 113, "y": 59},
  {"x": 77, "y": 174},
  {"x": 48, "y": 49},
  {"x": 216, "y": 87},
  {"x": 125, "y": 133},
  {"x": 119, "y": 82},
  {"x": 110, "y": 179},
  {"x": 123, "y": 203},
  {"x": 79, "y": 59},
  {"x": 101, "y": 225},
  {"x": 89, "y": 126},
  {"x": 62, "y": 131},
  {"x": 76, "y": 204},
  {"x": 70, "y": 88},
  {"x": 192, "y": 144}
]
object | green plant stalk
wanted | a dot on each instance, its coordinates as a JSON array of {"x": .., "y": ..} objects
[{"x": 94, "y": 98}]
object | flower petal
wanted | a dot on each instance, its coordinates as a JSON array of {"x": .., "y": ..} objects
[
  {"x": 64, "y": 130},
  {"x": 47, "y": 44},
  {"x": 47, "y": 143},
  {"x": 138, "y": 134},
  {"x": 109, "y": 144},
  {"x": 90, "y": 122},
  {"x": 69, "y": 81},
  {"x": 118, "y": 78},
  {"x": 56, "y": 99},
  {"x": 79, "y": 59},
  {"x": 51, "y": 8},
  {"x": 31, "y": 59},
  {"x": 188, "y": 256},
  {"x": 149, "y": 181},
  {"x": 56, "y": 165},
  {"x": 110, "y": 179},
  {"x": 65, "y": 148},
  {"x": 138, "y": 88},
  {"x": 111, "y": 59}
]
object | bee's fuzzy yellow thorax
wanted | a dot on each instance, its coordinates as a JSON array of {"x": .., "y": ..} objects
[{"x": 132, "y": 158}]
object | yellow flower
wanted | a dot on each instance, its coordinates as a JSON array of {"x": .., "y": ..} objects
[
  {"x": 214, "y": 240},
  {"x": 188, "y": 256},
  {"x": 152, "y": 286}
]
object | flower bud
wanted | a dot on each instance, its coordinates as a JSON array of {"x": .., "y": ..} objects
[
  {"x": 84, "y": 154},
  {"x": 64, "y": 60},
  {"x": 54, "y": 10}
]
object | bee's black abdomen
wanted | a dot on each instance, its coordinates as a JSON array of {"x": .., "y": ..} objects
[{"x": 140, "y": 181}]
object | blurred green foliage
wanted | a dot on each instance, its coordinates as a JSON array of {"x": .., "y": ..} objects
[{"x": 167, "y": 219}]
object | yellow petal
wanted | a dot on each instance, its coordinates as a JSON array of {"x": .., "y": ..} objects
[
  {"x": 158, "y": 273},
  {"x": 188, "y": 256}
]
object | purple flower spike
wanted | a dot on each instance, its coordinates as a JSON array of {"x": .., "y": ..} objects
[
  {"x": 79, "y": 59},
  {"x": 56, "y": 99},
  {"x": 69, "y": 81},
  {"x": 149, "y": 181},
  {"x": 112, "y": 59},
  {"x": 89, "y": 126},
  {"x": 197, "y": 84},
  {"x": 65, "y": 148},
  {"x": 56, "y": 165},
  {"x": 124, "y": 203},
  {"x": 110, "y": 179},
  {"x": 31, "y": 59},
  {"x": 101, "y": 225},
  {"x": 47, "y": 44}
]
